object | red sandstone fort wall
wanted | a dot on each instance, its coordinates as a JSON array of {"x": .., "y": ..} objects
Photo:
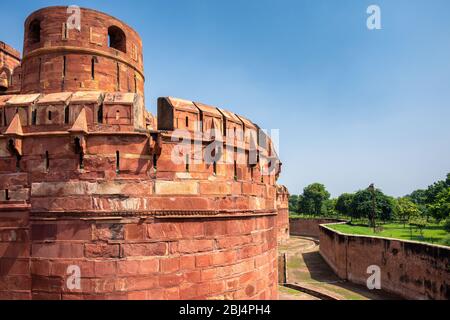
[
  {"x": 9, "y": 69},
  {"x": 307, "y": 227},
  {"x": 88, "y": 179},
  {"x": 410, "y": 269}
]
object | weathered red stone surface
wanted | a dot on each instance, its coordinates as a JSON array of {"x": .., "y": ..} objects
[{"x": 87, "y": 179}]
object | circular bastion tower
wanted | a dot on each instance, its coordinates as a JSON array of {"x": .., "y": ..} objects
[{"x": 93, "y": 201}]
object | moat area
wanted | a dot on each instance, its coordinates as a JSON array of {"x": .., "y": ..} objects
[{"x": 308, "y": 270}]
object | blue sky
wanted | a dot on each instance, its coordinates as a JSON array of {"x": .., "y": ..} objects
[{"x": 353, "y": 106}]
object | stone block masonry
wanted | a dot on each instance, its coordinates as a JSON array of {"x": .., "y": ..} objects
[{"x": 88, "y": 180}]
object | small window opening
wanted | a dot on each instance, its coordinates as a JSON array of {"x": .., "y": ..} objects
[
  {"x": 215, "y": 168},
  {"x": 235, "y": 171},
  {"x": 18, "y": 158},
  {"x": 117, "y": 162},
  {"x": 47, "y": 161},
  {"x": 93, "y": 68},
  {"x": 187, "y": 122},
  {"x": 34, "y": 34},
  {"x": 66, "y": 115},
  {"x": 187, "y": 162},
  {"x": 64, "y": 66},
  {"x": 34, "y": 117},
  {"x": 49, "y": 115},
  {"x": 79, "y": 151},
  {"x": 100, "y": 114},
  {"x": 135, "y": 83},
  {"x": 117, "y": 39},
  {"x": 7, "y": 198}
]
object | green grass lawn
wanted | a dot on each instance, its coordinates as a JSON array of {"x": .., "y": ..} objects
[{"x": 433, "y": 233}]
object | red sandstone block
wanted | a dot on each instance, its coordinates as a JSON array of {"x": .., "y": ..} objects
[
  {"x": 101, "y": 250},
  {"x": 193, "y": 276},
  {"x": 108, "y": 231},
  {"x": 155, "y": 294},
  {"x": 47, "y": 284},
  {"x": 14, "y": 267},
  {"x": 59, "y": 268},
  {"x": 57, "y": 250},
  {"x": 223, "y": 258},
  {"x": 141, "y": 283},
  {"x": 14, "y": 250},
  {"x": 170, "y": 264},
  {"x": 103, "y": 285},
  {"x": 12, "y": 295},
  {"x": 137, "y": 295},
  {"x": 187, "y": 262},
  {"x": 215, "y": 228},
  {"x": 249, "y": 251},
  {"x": 170, "y": 231},
  {"x": 261, "y": 260},
  {"x": 135, "y": 231},
  {"x": 192, "y": 229},
  {"x": 189, "y": 291},
  {"x": 216, "y": 273},
  {"x": 233, "y": 242},
  {"x": 216, "y": 287},
  {"x": 40, "y": 232},
  {"x": 105, "y": 268},
  {"x": 243, "y": 266},
  {"x": 204, "y": 260},
  {"x": 172, "y": 294},
  {"x": 170, "y": 280},
  {"x": 216, "y": 188},
  {"x": 44, "y": 296},
  {"x": 236, "y": 188},
  {"x": 40, "y": 267},
  {"x": 128, "y": 267},
  {"x": 193, "y": 246},
  {"x": 145, "y": 249},
  {"x": 73, "y": 231},
  {"x": 15, "y": 283},
  {"x": 232, "y": 284},
  {"x": 148, "y": 266},
  {"x": 247, "y": 277}
]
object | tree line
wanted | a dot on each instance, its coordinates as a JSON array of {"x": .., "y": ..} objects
[{"x": 418, "y": 208}]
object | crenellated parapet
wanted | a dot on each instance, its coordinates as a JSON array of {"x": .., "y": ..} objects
[{"x": 180, "y": 205}]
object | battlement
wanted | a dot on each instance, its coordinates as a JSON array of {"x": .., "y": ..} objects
[
  {"x": 7, "y": 49},
  {"x": 183, "y": 204}
]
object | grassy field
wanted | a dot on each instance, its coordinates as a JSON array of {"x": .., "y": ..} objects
[{"x": 433, "y": 233}]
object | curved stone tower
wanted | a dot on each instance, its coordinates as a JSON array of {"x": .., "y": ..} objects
[{"x": 98, "y": 198}]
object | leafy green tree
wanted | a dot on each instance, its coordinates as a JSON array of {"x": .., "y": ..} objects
[
  {"x": 314, "y": 195},
  {"x": 293, "y": 203},
  {"x": 440, "y": 209},
  {"x": 406, "y": 210},
  {"x": 344, "y": 204},
  {"x": 305, "y": 205},
  {"x": 329, "y": 208},
  {"x": 362, "y": 205}
]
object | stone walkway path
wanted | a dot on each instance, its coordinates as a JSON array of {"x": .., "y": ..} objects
[{"x": 308, "y": 269}]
